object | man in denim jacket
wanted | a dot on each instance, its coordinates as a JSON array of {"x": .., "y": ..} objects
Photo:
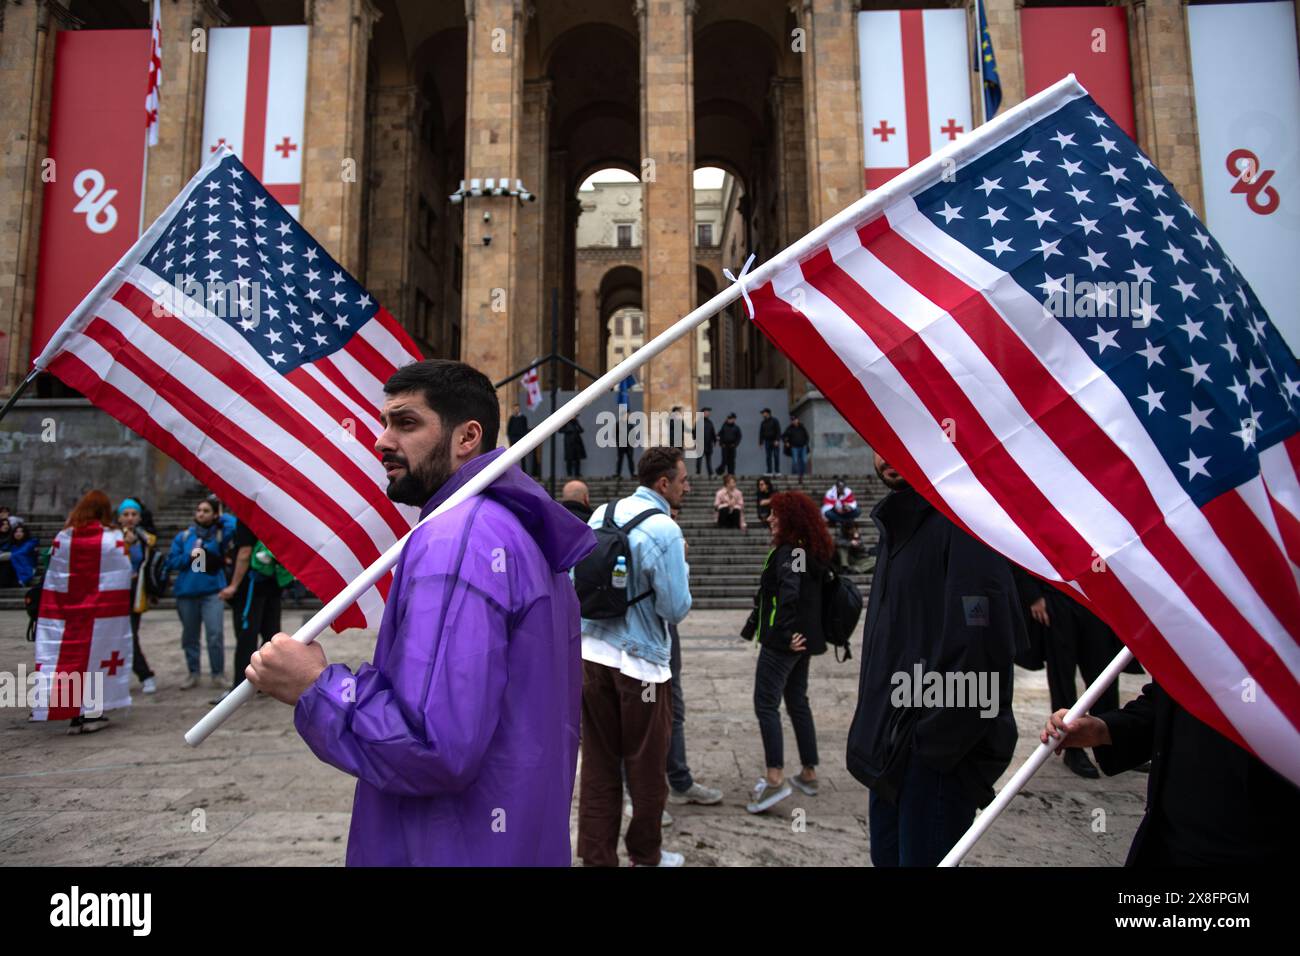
[{"x": 626, "y": 694}]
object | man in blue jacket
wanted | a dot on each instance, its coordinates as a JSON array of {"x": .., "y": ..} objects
[{"x": 626, "y": 674}]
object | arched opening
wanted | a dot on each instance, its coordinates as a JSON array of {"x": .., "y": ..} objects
[
  {"x": 749, "y": 123},
  {"x": 416, "y": 158}
]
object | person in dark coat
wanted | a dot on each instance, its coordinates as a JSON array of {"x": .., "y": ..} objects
[
  {"x": 624, "y": 449},
  {"x": 795, "y": 437},
  {"x": 574, "y": 448},
  {"x": 729, "y": 436},
  {"x": 516, "y": 429},
  {"x": 676, "y": 427},
  {"x": 706, "y": 436},
  {"x": 788, "y": 628},
  {"x": 933, "y": 728},
  {"x": 1209, "y": 802},
  {"x": 769, "y": 438},
  {"x": 763, "y": 493},
  {"x": 1073, "y": 639},
  {"x": 576, "y": 497}
]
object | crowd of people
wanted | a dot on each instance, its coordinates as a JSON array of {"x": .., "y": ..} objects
[
  {"x": 793, "y": 442},
  {"x": 214, "y": 564},
  {"x": 490, "y": 676}
]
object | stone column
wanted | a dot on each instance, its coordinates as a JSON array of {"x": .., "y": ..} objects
[
  {"x": 668, "y": 201},
  {"x": 832, "y": 108},
  {"x": 530, "y": 328},
  {"x": 394, "y": 200},
  {"x": 786, "y": 99},
  {"x": 1162, "y": 90},
  {"x": 179, "y": 152},
  {"x": 1004, "y": 30},
  {"x": 493, "y": 117},
  {"x": 26, "y": 76},
  {"x": 333, "y": 166}
]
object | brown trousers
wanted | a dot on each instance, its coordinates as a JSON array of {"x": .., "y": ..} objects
[{"x": 625, "y": 724}]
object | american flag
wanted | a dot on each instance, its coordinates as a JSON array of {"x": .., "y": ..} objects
[
  {"x": 231, "y": 340},
  {"x": 1041, "y": 336}
]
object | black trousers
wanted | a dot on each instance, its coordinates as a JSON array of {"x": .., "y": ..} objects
[
  {"x": 573, "y": 467},
  {"x": 625, "y": 452},
  {"x": 784, "y": 674},
  {"x": 728, "y": 517},
  {"x": 728, "y": 459},
  {"x": 260, "y": 624},
  {"x": 1077, "y": 639},
  {"x": 706, "y": 458},
  {"x": 138, "y": 663}
]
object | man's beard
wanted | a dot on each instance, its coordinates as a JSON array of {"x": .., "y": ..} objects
[
  {"x": 422, "y": 482},
  {"x": 894, "y": 484}
]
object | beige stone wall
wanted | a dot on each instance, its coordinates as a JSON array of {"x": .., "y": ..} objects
[
  {"x": 26, "y": 68},
  {"x": 832, "y": 106},
  {"x": 1004, "y": 30},
  {"x": 493, "y": 123},
  {"x": 334, "y": 163},
  {"x": 530, "y": 326},
  {"x": 1162, "y": 90},
  {"x": 667, "y": 139},
  {"x": 393, "y": 201}
]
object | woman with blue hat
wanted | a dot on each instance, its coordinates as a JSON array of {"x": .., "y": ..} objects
[{"x": 140, "y": 541}]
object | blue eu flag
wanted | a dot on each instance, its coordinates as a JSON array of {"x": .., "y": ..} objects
[{"x": 988, "y": 66}]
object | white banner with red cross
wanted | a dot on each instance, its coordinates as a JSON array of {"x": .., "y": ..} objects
[
  {"x": 1246, "y": 74},
  {"x": 83, "y": 633},
  {"x": 255, "y": 103},
  {"x": 915, "y": 75}
]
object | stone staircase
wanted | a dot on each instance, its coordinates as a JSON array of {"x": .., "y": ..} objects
[{"x": 725, "y": 563}]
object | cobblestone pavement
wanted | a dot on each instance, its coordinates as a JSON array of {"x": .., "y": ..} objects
[{"x": 253, "y": 794}]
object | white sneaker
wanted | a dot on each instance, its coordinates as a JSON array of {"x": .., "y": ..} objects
[
  {"x": 698, "y": 793},
  {"x": 149, "y": 686},
  {"x": 669, "y": 858},
  {"x": 664, "y": 821},
  {"x": 766, "y": 796},
  {"x": 191, "y": 680}
]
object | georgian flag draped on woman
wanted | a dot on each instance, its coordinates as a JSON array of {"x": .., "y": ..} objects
[{"x": 83, "y": 633}]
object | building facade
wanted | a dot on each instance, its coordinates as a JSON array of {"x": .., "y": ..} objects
[{"x": 405, "y": 99}]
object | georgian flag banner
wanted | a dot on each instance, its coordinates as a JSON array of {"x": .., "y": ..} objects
[
  {"x": 83, "y": 633},
  {"x": 915, "y": 71},
  {"x": 255, "y": 103}
]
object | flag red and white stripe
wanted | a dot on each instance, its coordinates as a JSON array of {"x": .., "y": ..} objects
[
  {"x": 292, "y": 454},
  {"x": 532, "y": 386},
  {"x": 914, "y": 68},
  {"x": 151, "y": 95},
  {"x": 994, "y": 413},
  {"x": 83, "y": 633},
  {"x": 255, "y": 103}
]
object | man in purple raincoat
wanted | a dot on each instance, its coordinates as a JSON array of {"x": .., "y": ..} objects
[{"x": 463, "y": 733}]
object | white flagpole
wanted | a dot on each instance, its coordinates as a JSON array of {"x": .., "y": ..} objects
[
  {"x": 923, "y": 174},
  {"x": 1036, "y": 760}
]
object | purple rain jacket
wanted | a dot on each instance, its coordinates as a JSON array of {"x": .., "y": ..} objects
[{"x": 463, "y": 733}]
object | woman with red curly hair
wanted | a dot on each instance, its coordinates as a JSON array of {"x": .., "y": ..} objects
[{"x": 788, "y": 629}]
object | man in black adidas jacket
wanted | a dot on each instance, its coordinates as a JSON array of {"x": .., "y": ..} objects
[{"x": 933, "y": 728}]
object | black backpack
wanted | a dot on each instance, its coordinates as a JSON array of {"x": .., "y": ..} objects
[
  {"x": 841, "y": 608},
  {"x": 593, "y": 574},
  {"x": 156, "y": 575}
]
